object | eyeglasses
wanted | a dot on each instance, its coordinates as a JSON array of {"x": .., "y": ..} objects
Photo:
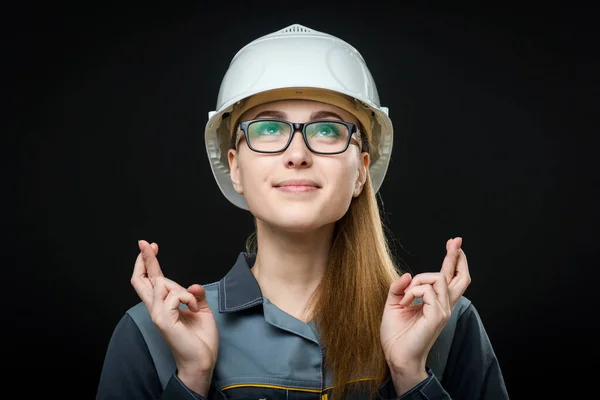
[{"x": 321, "y": 137}]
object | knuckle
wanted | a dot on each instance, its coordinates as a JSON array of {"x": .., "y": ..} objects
[
  {"x": 180, "y": 294},
  {"x": 177, "y": 286},
  {"x": 178, "y": 290}
]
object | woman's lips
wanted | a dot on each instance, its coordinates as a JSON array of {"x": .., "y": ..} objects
[{"x": 297, "y": 186}]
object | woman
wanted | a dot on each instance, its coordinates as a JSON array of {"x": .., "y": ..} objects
[{"x": 316, "y": 307}]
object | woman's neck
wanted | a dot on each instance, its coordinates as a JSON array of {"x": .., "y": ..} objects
[{"x": 290, "y": 265}]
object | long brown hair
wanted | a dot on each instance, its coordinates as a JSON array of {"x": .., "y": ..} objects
[{"x": 349, "y": 302}]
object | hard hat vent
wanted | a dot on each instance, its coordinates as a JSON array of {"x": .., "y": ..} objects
[{"x": 296, "y": 28}]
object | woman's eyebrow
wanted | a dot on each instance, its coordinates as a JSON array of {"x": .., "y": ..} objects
[
  {"x": 273, "y": 114},
  {"x": 324, "y": 114},
  {"x": 281, "y": 115}
]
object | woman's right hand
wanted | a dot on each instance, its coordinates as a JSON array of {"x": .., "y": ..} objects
[{"x": 191, "y": 334}]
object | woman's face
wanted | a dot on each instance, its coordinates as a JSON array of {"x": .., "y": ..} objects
[{"x": 326, "y": 183}]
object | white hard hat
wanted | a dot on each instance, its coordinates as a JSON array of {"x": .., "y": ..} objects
[{"x": 297, "y": 63}]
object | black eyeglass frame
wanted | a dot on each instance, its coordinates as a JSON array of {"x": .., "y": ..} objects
[{"x": 352, "y": 129}]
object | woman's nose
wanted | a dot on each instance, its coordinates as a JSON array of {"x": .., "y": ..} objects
[{"x": 297, "y": 154}]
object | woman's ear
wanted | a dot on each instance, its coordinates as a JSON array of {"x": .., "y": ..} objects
[
  {"x": 234, "y": 170},
  {"x": 363, "y": 170}
]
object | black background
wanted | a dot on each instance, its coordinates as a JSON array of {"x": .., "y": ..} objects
[{"x": 106, "y": 106}]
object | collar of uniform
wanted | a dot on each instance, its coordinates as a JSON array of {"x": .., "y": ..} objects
[{"x": 238, "y": 290}]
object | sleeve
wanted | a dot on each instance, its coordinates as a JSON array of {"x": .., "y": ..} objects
[
  {"x": 472, "y": 371},
  {"x": 429, "y": 389},
  {"x": 128, "y": 371}
]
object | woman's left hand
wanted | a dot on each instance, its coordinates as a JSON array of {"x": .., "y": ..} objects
[{"x": 408, "y": 330}]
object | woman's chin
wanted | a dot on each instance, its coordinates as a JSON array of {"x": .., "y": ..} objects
[
  {"x": 297, "y": 223},
  {"x": 294, "y": 221}
]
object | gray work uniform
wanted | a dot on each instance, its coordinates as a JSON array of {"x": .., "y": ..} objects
[{"x": 265, "y": 353}]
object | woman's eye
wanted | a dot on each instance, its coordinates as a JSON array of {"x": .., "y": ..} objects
[
  {"x": 271, "y": 129},
  {"x": 327, "y": 130},
  {"x": 266, "y": 129}
]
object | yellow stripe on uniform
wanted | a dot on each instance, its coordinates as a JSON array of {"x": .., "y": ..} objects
[
  {"x": 270, "y": 387},
  {"x": 324, "y": 397}
]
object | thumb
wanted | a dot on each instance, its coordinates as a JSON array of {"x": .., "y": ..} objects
[
  {"x": 200, "y": 295},
  {"x": 397, "y": 288}
]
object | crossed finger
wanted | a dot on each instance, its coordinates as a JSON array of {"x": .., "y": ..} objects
[
  {"x": 150, "y": 261},
  {"x": 456, "y": 270},
  {"x": 451, "y": 258},
  {"x": 462, "y": 279},
  {"x": 145, "y": 271}
]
